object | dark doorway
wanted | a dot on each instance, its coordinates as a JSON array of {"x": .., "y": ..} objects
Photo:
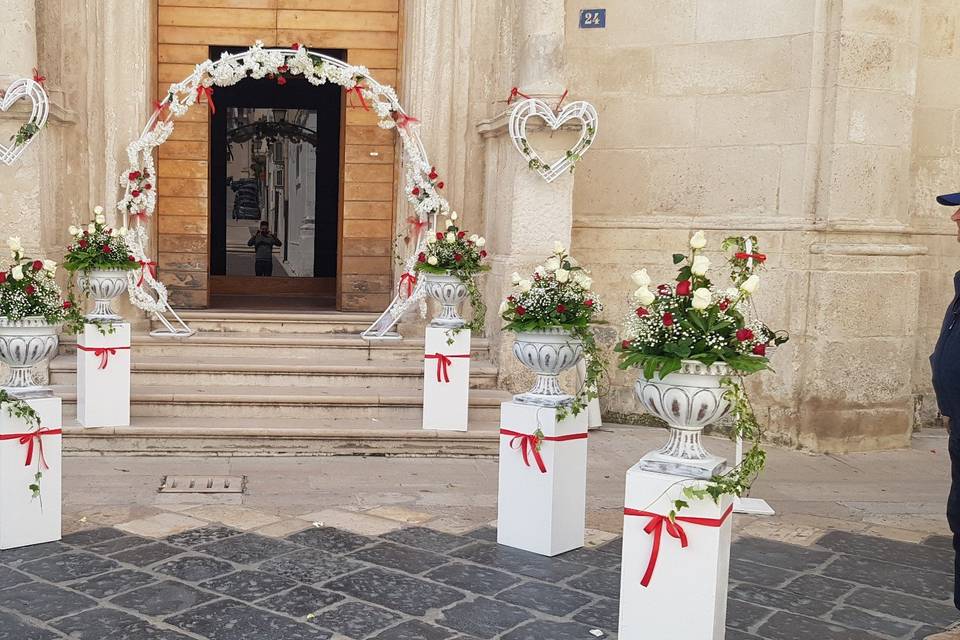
[{"x": 275, "y": 182}]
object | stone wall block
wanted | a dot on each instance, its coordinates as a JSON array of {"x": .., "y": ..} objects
[
  {"x": 753, "y": 119},
  {"x": 854, "y": 304},
  {"x": 650, "y": 23},
  {"x": 877, "y": 62},
  {"x": 747, "y": 19},
  {"x": 878, "y": 16}
]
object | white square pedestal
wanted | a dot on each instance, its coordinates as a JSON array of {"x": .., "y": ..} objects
[
  {"x": 695, "y": 575},
  {"x": 446, "y": 379},
  {"x": 103, "y": 376},
  {"x": 24, "y": 519},
  {"x": 541, "y": 503}
]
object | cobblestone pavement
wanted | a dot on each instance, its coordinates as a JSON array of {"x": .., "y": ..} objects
[{"x": 416, "y": 583}]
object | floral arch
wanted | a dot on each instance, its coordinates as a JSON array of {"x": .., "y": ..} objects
[{"x": 140, "y": 197}]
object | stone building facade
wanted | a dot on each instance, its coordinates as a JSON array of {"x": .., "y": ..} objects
[{"x": 824, "y": 126}]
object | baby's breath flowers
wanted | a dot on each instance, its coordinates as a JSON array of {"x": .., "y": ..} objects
[{"x": 28, "y": 288}]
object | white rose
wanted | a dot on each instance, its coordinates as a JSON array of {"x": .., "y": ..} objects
[
  {"x": 14, "y": 243},
  {"x": 481, "y": 241},
  {"x": 562, "y": 275},
  {"x": 17, "y": 272},
  {"x": 750, "y": 284},
  {"x": 700, "y": 265},
  {"x": 698, "y": 241},
  {"x": 97, "y": 210},
  {"x": 432, "y": 260},
  {"x": 558, "y": 248},
  {"x": 50, "y": 265},
  {"x": 431, "y": 239},
  {"x": 100, "y": 219},
  {"x": 586, "y": 282},
  {"x": 73, "y": 231},
  {"x": 525, "y": 285},
  {"x": 451, "y": 236},
  {"x": 515, "y": 278},
  {"x": 552, "y": 264},
  {"x": 114, "y": 233},
  {"x": 453, "y": 215},
  {"x": 701, "y": 298},
  {"x": 644, "y": 296},
  {"x": 92, "y": 228},
  {"x": 641, "y": 278},
  {"x": 474, "y": 238},
  {"x": 503, "y": 307},
  {"x": 123, "y": 231}
]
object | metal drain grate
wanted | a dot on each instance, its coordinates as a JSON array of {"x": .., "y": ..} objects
[{"x": 202, "y": 484}]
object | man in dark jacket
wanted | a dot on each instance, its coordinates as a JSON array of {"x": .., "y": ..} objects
[{"x": 263, "y": 243}]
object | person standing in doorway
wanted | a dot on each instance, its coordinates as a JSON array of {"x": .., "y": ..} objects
[
  {"x": 263, "y": 243},
  {"x": 945, "y": 364}
]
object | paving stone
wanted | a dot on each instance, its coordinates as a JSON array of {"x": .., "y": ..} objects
[
  {"x": 814, "y": 586},
  {"x": 110, "y": 624},
  {"x": 540, "y": 629},
  {"x": 614, "y": 547},
  {"x": 429, "y": 539},
  {"x": 736, "y": 634},
  {"x": 903, "y": 606},
  {"x": 400, "y": 557},
  {"x": 14, "y": 628},
  {"x": 232, "y": 620},
  {"x": 310, "y": 566},
  {"x": 395, "y": 591},
  {"x": 15, "y": 557},
  {"x": 194, "y": 568},
  {"x": 604, "y": 613},
  {"x": 355, "y": 619},
  {"x": 788, "y": 626},
  {"x": 917, "y": 556},
  {"x": 115, "y": 545},
  {"x": 203, "y": 535},
  {"x": 544, "y": 597},
  {"x": 92, "y": 536},
  {"x": 941, "y": 542},
  {"x": 10, "y": 577},
  {"x": 484, "y": 618},
  {"x": 330, "y": 539},
  {"x": 860, "y": 619},
  {"x": 517, "y": 561},
  {"x": 248, "y": 585},
  {"x": 923, "y": 632},
  {"x": 778, "y": 554},
  {"x": 43, "y": 601},
  {"x": 110, "y": 584},
  {"x": 602, "y": 582},
  {"x": 247, "y": 548},
  {"x": 161, "y": 599},
  {"x": 414, "y": 630},
  {"x": 300, "y": 601},
  {"x": 745, "y": 571},
  {"x": 352, "y": 522},
  {"x": 147, "y": 554},
  {"x": 744, "y": 615},
  {"x": 895, "y": 577},
  {"x": 779, "y": 599},
  {"x": 233, "y": 515},
  {"x": 592, "y": 558},
  {"x": 471, "y": 577},
  {"x": 283, "y": 528},
  {"x": 488, "y": 534},
  {"x": 400, "y": 514},
  {"x": 68, "y": 566},
  {"x": 161, "y": 524}
]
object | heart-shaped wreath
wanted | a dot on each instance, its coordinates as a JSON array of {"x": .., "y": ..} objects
[
  {"x": 24, "y": 88},
  {"x": 534, "y": 107}
]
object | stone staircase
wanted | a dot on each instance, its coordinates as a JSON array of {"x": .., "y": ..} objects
[{"x": 283, "y": 383}]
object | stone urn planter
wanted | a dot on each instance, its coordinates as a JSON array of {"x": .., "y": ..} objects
[
  {"x": 104, "y": 285},
  {"x": 548, "y": 353},
  {"x": 449, "y": 291},
  {"x": 25, "y": 343},
  {"x": 687, "y": 400}
]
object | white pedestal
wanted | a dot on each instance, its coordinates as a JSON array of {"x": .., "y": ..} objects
[
  {"x": 693, "y": 578},
  {"x": 446, "y": 379},
  {"x": 103, "y": 376},
  {"x": 542, "y": 511},
  {"x": 24, "y": 519}
]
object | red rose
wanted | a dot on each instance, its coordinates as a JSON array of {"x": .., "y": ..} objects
[
  {"x": 415, "y": 191},
  {"x": 588, "y": 303},
  {"x": 483, "y": 253},
  {"x": 29, "y": 289},
  {"x": 422, "y": 257},
  {"x": 135, "y": 193},
  {"x": 37, "y": 265},
  {"x": 134, "y": 175},
  {"x": 520, "y": 310},
  {"x": 433, "y": 173},
  {"x": 683, "y": 288},
  {"x": 67, "y": 304},
  {"x": 561, "y": 308},
  {"x": 667, "y": 319},
  {"x": 457, "y": 257},
  {"x": 271, "y": 76},
  {"x": 744, "y": 334},
  {"x": 148, "y": 186},
  {"x": 625, "y": 344},
  {"x": 461, "y": 234},
  {"x": 663, "y": 290},
  {"x": 536, "y": 277},
  {"x": 760, "y": 349},
  {"x": 283, "y": 68},
  {"x": 641, "y": 311},
  {"x": 510, "y": 298},
  {"x": 440, "y": 185},
  {"x": 83, "y": 243},
  {"x": 3, "y": 277},
  {"x": 295, "y": 46},
  {"x": 439, "y": 236},
  {"x": 131, "y": 259},
  {"x": 723, "y": 304},
  {"x": 281, "y": 81},
  {"x": 106, "y": 248}
]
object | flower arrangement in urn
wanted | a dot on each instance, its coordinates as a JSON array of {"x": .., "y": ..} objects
[
  {"x": 449, "y": 266},
  {"x": 693, "y": 342},
  {"x": 99, "y": 253},
  {"x": 551, "y": 313}
]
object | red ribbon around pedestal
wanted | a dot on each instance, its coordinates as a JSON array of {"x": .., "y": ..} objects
[
  {"x": 658, "y": 523},
  {"x": 410, "y": 280},
  {"x": 528, "y": 443},
  {"x": 208, "y": 91},
  {"x": 147, "y": 265},
  {"x": 29, "y": 438},
  {"x": 443, "y": 364},
  {"x": 103, "y": 353}
]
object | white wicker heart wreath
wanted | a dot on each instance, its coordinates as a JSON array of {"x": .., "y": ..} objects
[
  {"x": 536, "y": 108},
  {"x": 24, "y": 89}
]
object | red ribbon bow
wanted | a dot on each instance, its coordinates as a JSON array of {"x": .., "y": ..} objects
[
  {"x": 403, "y": 120},
  {"x": 759, "y": 257},
  {"x": 410, "y": 280},
  {"x": 416, "y": 224},
  {"x": 656, "y": 526},
  {"x": 530, "y": 442},
  {"x": 103, "y": 353},
  {"x": 147, "y": 265},
  {"x": 39, "y": 79},
  {"x": 139, "y": 216},
  {"x": 514, "y": 93},
  {"x": 443, "y": 364},
  {"x": 201, "y": 90},
  {"x": 357, "y": 89},
  {"x": 28, "y": 439}
]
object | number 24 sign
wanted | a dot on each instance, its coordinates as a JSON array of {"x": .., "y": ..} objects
[{"x": 593, "y": 18}]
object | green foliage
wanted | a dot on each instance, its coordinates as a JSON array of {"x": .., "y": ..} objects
[
  {"x": 24, "y": 134},
  {"x": 18, "y": 409}
]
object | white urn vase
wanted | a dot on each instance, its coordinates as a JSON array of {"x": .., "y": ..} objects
[
  {"x": 548, "y": 353},
  {"x": 104, "y": 285},
  {"x": 687, "y": 400},
  {"x": 25, "y": 343},
  {"x": 449, "y": 291}
]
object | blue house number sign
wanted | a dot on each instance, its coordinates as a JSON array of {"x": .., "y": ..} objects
[{"x": 593, "y": 18}]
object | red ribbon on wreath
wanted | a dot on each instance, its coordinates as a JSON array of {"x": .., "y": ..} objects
[
  {"x": 416, "y": 224},
  {"x": 403, "y": 120},
  {"x": 443, "y": 364},
  {"x": 410, "y": 280},
  {"x": 147, "y": 265},
  {"x": 39, "y": 79},
  {"x": 742, "y": 255},
  {"x": 528, "y": 443},
  {"x": 208, "y": 91},
  {"x": 357, "y": 88},
  {"x": 514, "y": 93},
  {"x": 29, "y": 438}
]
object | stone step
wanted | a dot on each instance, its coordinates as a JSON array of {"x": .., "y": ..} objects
[
  {"x": 317, "y": 347},
  {"x": 248, "y": 436},
  {"x": 310, "y": 403},
  {"x": 258, "y": 322},
  {"x": 154, "y": 371}
]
